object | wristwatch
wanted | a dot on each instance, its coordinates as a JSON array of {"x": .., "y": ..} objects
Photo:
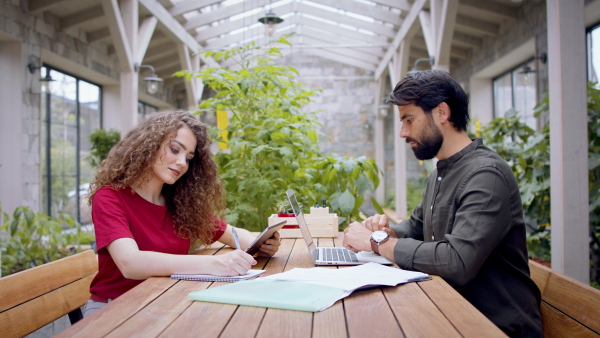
[{"x": 378, "y": 237}]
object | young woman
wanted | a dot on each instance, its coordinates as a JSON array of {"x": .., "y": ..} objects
[{"x": 156, "y": 196}]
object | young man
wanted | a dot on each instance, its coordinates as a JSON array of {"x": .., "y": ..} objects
[{"x": 469, "y": 228}]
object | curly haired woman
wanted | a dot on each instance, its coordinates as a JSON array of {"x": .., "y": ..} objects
[{"x": 156, "y": 196}]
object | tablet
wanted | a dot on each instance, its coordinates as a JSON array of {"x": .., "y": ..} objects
[{"x": 266, "y": 234}]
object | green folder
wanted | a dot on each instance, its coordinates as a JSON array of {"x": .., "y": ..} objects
[{"x": 273, "y": 294}]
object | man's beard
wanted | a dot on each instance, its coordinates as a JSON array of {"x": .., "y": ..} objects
[{"x": 430, "y": 143}]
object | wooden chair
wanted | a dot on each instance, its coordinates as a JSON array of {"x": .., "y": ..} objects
[
  {"x": 36, "y": 297},
  {"x": 569, "y": 308}
]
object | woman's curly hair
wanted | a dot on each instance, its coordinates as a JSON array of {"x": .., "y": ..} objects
[{"x": 194, "y": 199}]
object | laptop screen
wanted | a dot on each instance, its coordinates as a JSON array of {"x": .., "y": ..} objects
[{"x": 301, "y": 221}]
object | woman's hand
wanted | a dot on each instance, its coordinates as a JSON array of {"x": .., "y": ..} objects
[
  {"x": 270, "y": 246},
  {"x": 234, "y": 263}
]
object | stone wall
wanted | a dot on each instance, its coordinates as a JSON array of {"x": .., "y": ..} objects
[
  {"x": 345, "y": 104},
  {"x": 346, "y": 112}
]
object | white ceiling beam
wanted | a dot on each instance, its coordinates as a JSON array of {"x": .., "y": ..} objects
[
  {"x": 482, "y": 26},
  {"x": 333, "y": 29},
  {"x": 160, "y": 54},
  {"x": 231, "y": 39},
  {"x": 175, "y": 29},
  {"x": 455, "y": 52},
  {"x": 336, "y": 39},
  {"x": 344, "y": 19},
  {"x": 38, "y": 6},
  {"x": 190, "y": 86},
  {"x": 222, "y": 13},
  {"x": 341, "y": 58},
  {"x": 403, "y": 5},
  {"x": 427, "y": 29},
  {"x": 405, "y": 29},
  {"x": 374, "y": 12},
  {"x": 165, "y": 61},
  {"x": 491, "y": 8},
  {"x": 116, "y": 26},
  {"x": 144, "y": 36},
  {"x": 444, "y": 34},
  {"x": 350, "y": 52},
  {"x": 82, "y": 17},
  {"x": 190, "y": 5}
]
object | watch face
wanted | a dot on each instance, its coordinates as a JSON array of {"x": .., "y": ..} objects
[{"x": 379, "y": 236}]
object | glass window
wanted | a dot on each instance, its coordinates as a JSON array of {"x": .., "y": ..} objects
[
  {"x": 144, "y": 110},
  {"x": 71, "y": 111},
  {"x": 517, "y": 89},
  {"x": 593, "y": 41}
]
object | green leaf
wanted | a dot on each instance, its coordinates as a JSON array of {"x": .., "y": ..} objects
[
  {"x": 377, "y": 206},
  {"x": 346, "y": 202}
]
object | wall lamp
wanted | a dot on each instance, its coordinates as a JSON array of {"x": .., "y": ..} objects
[
  {"x": 152, "y": 81},
  {"x": 415, "y": 69},
  {"x": 44, "y": 80},
  {"x": 526, "y": 70}
]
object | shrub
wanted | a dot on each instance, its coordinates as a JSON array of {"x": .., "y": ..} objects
[
  {"x": 33, "y": 239},
  {"x": 528, "y": 153}
]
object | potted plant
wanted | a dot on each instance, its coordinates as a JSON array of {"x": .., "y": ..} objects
[{"x": 284, "y": 209}]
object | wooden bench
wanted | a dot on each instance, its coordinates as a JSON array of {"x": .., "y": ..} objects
[
  {"x": 36, "y": 297},
  {"x": 569, "y": 308}
]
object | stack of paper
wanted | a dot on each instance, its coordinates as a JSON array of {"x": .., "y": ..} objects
[
  {"x": 313, "y": 289},
  {"x": 350, "y": 279}
]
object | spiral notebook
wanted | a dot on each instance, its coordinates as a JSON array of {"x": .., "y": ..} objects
[{"x": 211, "y": 278}]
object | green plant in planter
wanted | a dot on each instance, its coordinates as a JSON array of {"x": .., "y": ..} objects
[
  {"x": 33, "y": 239},
  {"x": 102, "y": 142},
  {"x": 284, "y": 206},
  {"x": 272, "y": 143},
  {"x": 271, "y": 140}
]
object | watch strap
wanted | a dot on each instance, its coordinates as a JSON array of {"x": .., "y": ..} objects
[{"x": 375, "y": 247}]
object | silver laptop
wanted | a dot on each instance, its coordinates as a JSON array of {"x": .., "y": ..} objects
[{"x": 327, "y": 255}]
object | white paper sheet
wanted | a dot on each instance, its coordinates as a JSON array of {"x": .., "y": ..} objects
[{"x": 351, "y": 278}]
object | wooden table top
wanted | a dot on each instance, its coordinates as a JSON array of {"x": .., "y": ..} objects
[{"x": 160, "y": 307}]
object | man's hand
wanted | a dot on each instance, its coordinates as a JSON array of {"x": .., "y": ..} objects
[
  {"x": 379, "y": 222},
  {"x": 270, "y": 246},
  {"x": 357, "y": 237}
]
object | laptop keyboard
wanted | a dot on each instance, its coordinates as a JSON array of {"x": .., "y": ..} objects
[{"x": 339, "y": 254}]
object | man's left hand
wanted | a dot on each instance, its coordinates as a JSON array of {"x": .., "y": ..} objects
[
  {"x": 270, "y": 246},
  {"x": 357, "y": 237}
]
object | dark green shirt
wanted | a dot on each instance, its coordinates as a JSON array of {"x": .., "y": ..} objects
[{"x": 469, "y": 230}]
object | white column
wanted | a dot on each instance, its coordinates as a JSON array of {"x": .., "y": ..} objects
[
  {"x": 129, "y": 77},
  {"x": 568, "y": 138},
  {"x": 12, "y": 155},
  {"x": 380, "y": 138},
  {"x": 398, "y": 67}
]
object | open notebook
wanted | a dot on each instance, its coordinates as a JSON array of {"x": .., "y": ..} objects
[{"x": 211, "y": 278}]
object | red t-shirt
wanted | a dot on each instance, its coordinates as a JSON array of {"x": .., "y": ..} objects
[{"x": 125, "y": 214}]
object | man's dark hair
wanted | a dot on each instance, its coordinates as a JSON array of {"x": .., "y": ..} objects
[{"x": 429, "y": 88}]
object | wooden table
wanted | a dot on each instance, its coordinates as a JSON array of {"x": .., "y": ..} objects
[{"x": 160, "y": 307}]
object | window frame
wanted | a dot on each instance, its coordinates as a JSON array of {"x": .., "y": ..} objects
[{"x": 46, "y": 177}]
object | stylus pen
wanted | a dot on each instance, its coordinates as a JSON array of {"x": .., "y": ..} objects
[{"x": 235, "y": 237}]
